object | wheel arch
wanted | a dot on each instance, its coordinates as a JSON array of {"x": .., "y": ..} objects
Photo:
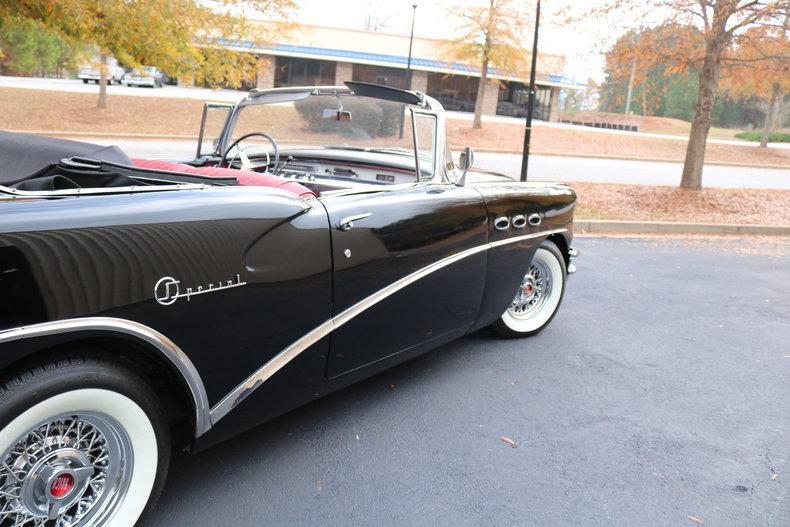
[
  {"x": 562, "y": 244},
  {"x": 134, "y": 345}
]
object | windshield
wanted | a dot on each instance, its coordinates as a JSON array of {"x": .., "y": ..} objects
[{"x": 341, "y": 122}]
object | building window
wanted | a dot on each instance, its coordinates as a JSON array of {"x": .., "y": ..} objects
[
  {"x": 457, "y": 93},
  {"x": 514, "y": 98},
  {"x": 393, "y": 77},
  {"x": 291, "y": 71}
]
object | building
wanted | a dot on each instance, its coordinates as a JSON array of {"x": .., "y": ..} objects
[{"x": 316, "y": 55}]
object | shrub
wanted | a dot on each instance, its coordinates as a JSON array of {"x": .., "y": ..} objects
[{"x": 773, "y": 137}]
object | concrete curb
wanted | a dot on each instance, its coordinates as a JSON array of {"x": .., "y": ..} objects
[
  {"x": 625, "y": 158},
  {"x": 112, "y": 135},
  {"x": 664, "y": 227}
]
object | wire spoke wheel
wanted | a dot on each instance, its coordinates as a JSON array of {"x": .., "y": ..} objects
[
  {"x": 77, "y": 456},
  {"x": 69, "y": 470},
  {"x": 532, "y": 292},
  {"x": 537, "y": 297}
]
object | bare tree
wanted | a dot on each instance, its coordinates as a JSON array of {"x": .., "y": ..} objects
[{"x": 375, "y": 19}]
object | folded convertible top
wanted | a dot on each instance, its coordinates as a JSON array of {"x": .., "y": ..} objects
[{"x": 23, "y": 155}]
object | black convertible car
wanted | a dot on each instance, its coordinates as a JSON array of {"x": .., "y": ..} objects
[{"x": 317, "y": 237}]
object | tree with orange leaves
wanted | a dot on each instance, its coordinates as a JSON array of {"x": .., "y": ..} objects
[
  {"x": 648, "y": 57},
  {"x": 491, "y": 35},
  {"x": 759, "y": 67},
  {"x": 178, "y": 36},
  {"x": 719, "y": 23}
]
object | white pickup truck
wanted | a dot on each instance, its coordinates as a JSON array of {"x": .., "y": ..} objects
[{"x": 92, "y": 72}]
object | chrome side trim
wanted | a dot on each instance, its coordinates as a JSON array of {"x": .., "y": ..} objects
[
  {"x": 166, "y": 346},
  {"x": 100, "y": 190},
  {"x": 249, "y": 385},
  {"x": 240, "y": 392}
]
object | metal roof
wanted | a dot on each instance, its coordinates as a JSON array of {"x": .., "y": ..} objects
[{"x": 391, "y": 60}]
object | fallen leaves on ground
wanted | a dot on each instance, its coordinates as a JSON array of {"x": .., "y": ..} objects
[{"x": 662, "y": 203}]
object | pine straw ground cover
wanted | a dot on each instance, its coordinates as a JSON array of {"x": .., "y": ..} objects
[
  {"x": 40, "y": 110},
  {"x": 658, "y": 203}
]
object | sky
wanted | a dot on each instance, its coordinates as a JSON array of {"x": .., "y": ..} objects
[{"x": 581, "y": 45}]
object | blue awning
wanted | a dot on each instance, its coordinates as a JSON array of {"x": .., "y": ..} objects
[{"x": 381, "y": 58}]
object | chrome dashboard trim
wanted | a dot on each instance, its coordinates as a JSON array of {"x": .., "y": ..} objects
[
  {"x": 165, "y": 346},
  {"x": 254, "y": 381}
]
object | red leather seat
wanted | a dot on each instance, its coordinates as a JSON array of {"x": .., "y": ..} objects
[{"x": 246, "y": 178}]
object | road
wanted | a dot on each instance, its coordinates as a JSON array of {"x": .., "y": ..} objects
[
  {"x": 77, "y": 86},
  {"x": 659, "y": 391},
  {"x": 546, "y": 168}
]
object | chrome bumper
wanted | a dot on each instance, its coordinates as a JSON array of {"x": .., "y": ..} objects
[{"x": 572, "y": 253}]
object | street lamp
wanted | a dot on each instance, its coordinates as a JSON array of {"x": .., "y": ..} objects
[{"x": 531, "y": 103}]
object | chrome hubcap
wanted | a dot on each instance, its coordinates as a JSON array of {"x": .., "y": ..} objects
[
  {"x": 71, "y": 470},
  {"x": 533, "y": 291}
]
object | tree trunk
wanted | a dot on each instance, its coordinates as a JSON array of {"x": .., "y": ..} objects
[
  {"x": 700, "y": 126},
  {"x": 630, "y": 95},
  {"x": 103, "y": 81},
  {"x": 770, "y": 115},
  {"x": 481, "y": 93}
]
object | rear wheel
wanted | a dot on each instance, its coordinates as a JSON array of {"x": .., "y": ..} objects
[
  {"x": 538, "y": 297},
  {"x": 83, "y": 442}
]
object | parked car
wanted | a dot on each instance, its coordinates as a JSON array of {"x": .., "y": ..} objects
[
  {"x": 149, "y": 77},
  {"x": 92, "y": 72},
  {"x": 149, "y": 304}
]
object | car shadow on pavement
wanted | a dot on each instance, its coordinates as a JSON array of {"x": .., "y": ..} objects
[{"x": 337, "y": 414}]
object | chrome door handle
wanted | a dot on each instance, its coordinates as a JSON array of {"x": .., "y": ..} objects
[{"x": 348, "y": 222}]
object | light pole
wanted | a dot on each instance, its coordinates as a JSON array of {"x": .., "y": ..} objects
[
  {"x": 531, "y": 103},
  {"x": 408, "y": 64}
]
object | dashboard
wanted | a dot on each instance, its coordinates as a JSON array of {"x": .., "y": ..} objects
[
  {"x": 338, "y": 167},
  {"x": 311, "y": 169}
]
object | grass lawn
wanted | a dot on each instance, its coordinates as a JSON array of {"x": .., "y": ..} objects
[
  {"x": 598, "y": 201},
  {"x": 40, "y": 111},
  {"x": 654, "y": 125}
]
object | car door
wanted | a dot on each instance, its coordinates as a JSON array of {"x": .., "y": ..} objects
[{"x": 408, "y": 270}]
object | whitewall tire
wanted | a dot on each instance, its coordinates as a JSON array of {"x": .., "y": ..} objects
[
  {"x": 537, "y": 298},
  {"x": 83, "y": 443}
]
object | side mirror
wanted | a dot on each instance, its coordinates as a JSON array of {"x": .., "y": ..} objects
[
  {"x": 465, "y": 161},
  {"x": 336, "y": 115}
]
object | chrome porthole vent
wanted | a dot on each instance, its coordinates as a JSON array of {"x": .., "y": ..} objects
[{"x": 66, "y": 472}]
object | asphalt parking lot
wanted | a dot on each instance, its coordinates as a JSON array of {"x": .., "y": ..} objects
[{"x": 660, "y": 391}]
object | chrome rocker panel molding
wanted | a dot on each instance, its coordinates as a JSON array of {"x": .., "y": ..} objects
[
  {"x": 254, "y": 381},
  {"x": 167, "y": 348}
]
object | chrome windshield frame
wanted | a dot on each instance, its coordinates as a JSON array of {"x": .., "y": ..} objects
[{"x": 429, "y": 106}]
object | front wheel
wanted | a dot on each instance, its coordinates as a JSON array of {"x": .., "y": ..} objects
[
  {"x": 538, "y": 297},
  {"x": 83, "y": 442}
]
